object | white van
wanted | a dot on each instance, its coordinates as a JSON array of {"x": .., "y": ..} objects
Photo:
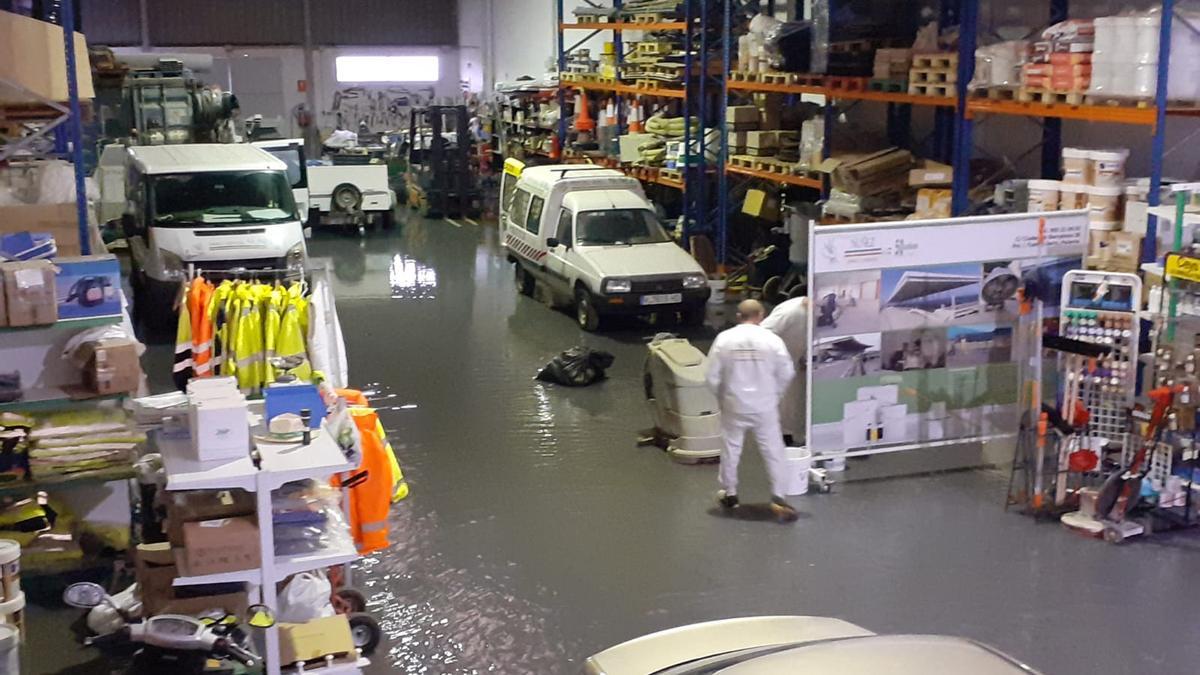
[
  {"x": 210, "y": 207},
  {"x": 591, "y": 237}
]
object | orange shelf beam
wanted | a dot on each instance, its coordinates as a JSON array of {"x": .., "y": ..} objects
[
  {"x": 801, "y": 181},
  {"x": 623, "y": 25},
  {"x": 892, "y": 97},
  {"x": 773, "y": 88},
  {"x": 1086, "y": 113},
  {"x": 625, "y": 89}
]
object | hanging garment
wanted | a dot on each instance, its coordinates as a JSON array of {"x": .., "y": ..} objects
[
  {"x": 181, "y": 370},
  {"x": 217, "y": 315},
  {"x": 248, "y": 341},
  {"x": 274, "y": 303},
  {"x": 291, "y": 333},
  {"x": 197, "y": 299},
  {"x": 326, "y": 347},
  {"x": 369, "y": 486},
  {"x": 399, "y": 486}
]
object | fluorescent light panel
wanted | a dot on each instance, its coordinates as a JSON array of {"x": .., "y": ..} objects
[{"x": 387, "y": 68}]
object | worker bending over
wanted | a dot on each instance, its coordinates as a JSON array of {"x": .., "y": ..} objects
[
  {"x": 789, "y": 320},
  {"x": 749, "y": 369}
]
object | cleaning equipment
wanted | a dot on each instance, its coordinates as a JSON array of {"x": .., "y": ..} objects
[{"x": 687, "y": 419}]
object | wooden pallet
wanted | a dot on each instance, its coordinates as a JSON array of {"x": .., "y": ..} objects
[
  {"x": 996, "y": 93},
  {"x": 851, "y": 47},
  {"x": 938, "y": 90},
  {"x": 1049, "y": 97},
  {"x": 939, "y": 60},
  {"x": 933, "y": 75},
  {"x": 847, "y": 83},
  {"x": 744, "y": 161},
  {"x": 651, "y": 17},
  {"x": 670, "y": 174},
  {"x": 888, "y": 85}
]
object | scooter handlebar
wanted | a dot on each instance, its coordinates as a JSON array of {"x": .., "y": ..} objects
[
  {"x": 235, "y": 652},
  {"x": 115, "y": 637}
]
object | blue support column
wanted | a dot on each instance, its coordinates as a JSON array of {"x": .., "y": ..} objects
[
  {"x": 619, "y": 48},
  {"x": 702, "y": 115},
  {"x": 75, "y": 126},
  {"x": 689, "y": 174},
  {"x": 722, "y": 174},
  {"x": 899, "y": 125},
  {"x": 562, "y": 66},
  {"x": 968, "y": 17},
  {"x": 1158, "y": 146},
  {"x": 1052, "y": 126}
]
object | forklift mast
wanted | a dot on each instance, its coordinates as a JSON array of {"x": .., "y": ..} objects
[{"x": 440, "y": 170}]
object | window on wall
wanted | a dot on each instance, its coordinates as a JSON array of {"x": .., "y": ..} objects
[{"x": 361, "y": 69}]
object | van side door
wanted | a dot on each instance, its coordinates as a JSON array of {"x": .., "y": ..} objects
[{"x": 558, "y": 264}]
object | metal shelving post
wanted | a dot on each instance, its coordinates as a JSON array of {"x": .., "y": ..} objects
[
  {"x": 562, "y": 68},
  {"x": 722, "y": 242},
  {"x": 74, "y": 126},
  {"x": 964, "y": 127},
  {"x": 1158, "y": 144}
]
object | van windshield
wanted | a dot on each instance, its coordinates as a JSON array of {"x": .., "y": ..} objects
[
  {"x": 619, "y": 227},
  {"x": 220, "y": 198}
]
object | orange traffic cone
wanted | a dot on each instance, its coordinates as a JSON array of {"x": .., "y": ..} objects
[{"x": 583, "y": 119}]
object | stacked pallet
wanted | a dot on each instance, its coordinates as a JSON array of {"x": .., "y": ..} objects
[
  {"x": 653, "y": 63},
  {"x": 933, "y": 75},
  {"x": 891, "y": 70}
]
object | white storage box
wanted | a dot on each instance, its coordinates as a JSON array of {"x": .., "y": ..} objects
[{"x": 219, "y": 427}]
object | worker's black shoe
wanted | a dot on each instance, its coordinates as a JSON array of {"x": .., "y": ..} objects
[
  {"x": 783, "y": 510},
  {"x": 727, "y": 501}
]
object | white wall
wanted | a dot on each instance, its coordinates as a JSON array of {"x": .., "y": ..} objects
[{"x": 524, "y": 34}]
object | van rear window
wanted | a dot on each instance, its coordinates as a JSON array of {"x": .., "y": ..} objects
[
  {"x": 520, "y": 206},
  {"x": 534, "y": 222}
]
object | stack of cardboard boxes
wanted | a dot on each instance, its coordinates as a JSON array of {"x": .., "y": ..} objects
[{"x": 932, "y": 181}]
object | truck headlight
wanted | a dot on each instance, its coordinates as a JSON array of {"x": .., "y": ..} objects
[
  {"x": 617, "y": 285},
  {"x": 173, "y": 267},
  {"x": 295, "y": 258},
  {"x": 694, "y": 281}
]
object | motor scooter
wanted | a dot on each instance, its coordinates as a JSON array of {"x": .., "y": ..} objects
[{"x": 171, "y": 643}]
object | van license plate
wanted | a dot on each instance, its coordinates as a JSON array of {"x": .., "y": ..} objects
[{"x": 662, "y": 299}]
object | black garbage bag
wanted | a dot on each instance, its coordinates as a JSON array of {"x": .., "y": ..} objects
[{"x": 577, "y": 367}]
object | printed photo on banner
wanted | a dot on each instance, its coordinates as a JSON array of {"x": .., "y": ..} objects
[
  {"x": 846, "y": 303},
  {"x": 916, "y": 349},
  {"x": 978, "y": 345},
  {"x": 931, "y": 296},
  {"x": 837, "y": 358}
]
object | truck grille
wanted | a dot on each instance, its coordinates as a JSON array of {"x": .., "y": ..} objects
[{"x": 657, "y": 285}]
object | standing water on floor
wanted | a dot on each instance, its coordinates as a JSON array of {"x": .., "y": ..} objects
[{"x": 538, "y": 533}]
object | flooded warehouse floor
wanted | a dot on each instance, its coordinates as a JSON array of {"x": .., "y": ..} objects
[{"x": 537, "y": 532}]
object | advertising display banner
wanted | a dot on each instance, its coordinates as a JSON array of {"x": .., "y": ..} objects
[{"x": 912, "y": 325}]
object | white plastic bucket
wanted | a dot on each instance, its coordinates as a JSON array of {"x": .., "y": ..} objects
[
  {"x": 10, "y": 569},
  {"x": 1072, "y": 197},
  {"x": 717, "y": 286},
  {"x": 799, "y": 461},
  {"x": 1077, "y": 166},
  {"x": 1043, "y": 196},
  {"x": 10, "y": 655},
  {"x": 1108, "y": 167}
]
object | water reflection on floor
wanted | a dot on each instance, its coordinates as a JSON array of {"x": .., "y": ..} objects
[{"x": 537, "y": 531}]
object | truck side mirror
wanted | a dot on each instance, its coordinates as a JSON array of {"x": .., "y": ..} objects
[{"x": 552, "y": 242}]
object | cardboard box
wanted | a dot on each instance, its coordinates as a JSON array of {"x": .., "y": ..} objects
[
  {"x": 762, "y": 140},
  {"x": 111, "y": 365},
  {"x": 314, "y": 640},
  {"x": 870, "y": 174},
  {"x": 742, "y": 116},
  {"x": 58, "y": 220},
  {"x": 218, "y": 546},
  {"x": 931, "y": 174},
  {"x": 933, "y": 203},
  {"x": 761, "y": 204},
  {"x": 188, "y": 506},
  {"x": 32, "y": 56},
  {"x": 88, "y": 286},
  {"x": 29, "y": 288}
]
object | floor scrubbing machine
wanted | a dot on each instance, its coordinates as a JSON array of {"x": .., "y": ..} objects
[{"x": 687, "y": 420}]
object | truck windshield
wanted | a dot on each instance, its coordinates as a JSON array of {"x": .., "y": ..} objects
[
  {"x": 619, "y": 227},
  {"x": 220, "y": 198}
]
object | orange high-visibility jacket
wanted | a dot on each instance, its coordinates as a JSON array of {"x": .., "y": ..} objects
[{"x": 198, "y": 296}]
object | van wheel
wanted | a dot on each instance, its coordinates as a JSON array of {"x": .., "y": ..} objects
[
  {"x": 525, "y": 281},
  {"x": 585, "y": 311}
]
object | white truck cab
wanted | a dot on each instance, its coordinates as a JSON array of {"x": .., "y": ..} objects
[
  {"x": 592, "y": 239},
  {"x": 211, "y": 207}
]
